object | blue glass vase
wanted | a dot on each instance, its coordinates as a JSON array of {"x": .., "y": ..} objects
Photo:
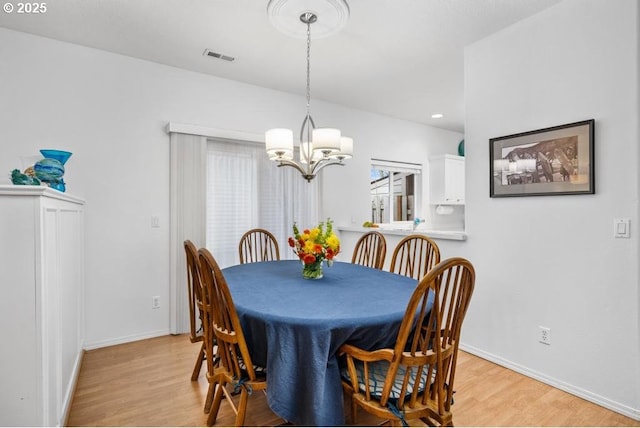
[
  {"x": 59, "y": 155},
  {"x": 51, "y": 169}
]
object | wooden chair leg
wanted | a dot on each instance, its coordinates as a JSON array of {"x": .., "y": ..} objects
[
  {"x": 354, "y": 412},
  {"x": 352, "y": 406},
  {"x": 213, "y": 413},
  {"x": 242, "y": 408},
  {"x": 209, "y": 400},
  {"x": 198, "y": 366}
]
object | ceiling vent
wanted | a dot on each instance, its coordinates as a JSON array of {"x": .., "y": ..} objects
[{"x": 209, "y": 52}]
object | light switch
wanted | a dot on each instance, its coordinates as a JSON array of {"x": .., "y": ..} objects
[
  {"x": 621, "y": 228},
  {"x": 155, "y": 221}
]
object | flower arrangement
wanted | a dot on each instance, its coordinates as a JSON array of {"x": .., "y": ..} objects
[{"x": 313, "y": 246}]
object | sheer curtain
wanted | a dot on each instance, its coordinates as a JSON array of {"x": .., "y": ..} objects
[{"x": 246, "y": 190}]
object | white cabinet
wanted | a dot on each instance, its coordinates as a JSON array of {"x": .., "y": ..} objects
[
  {"x": 42, "y": 304},
  {"x": 446, "y": 180}
]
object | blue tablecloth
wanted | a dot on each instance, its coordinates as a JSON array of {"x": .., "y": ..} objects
[{"x": 294, "y": 327}]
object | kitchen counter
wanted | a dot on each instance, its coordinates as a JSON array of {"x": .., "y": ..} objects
[{"x": 403, "y": 231}]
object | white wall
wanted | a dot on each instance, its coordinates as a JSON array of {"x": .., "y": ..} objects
[
  {"x": 553, "y": 261},
  {"x": 547, "y": 261},
  {"x": 110, "y": 111}
]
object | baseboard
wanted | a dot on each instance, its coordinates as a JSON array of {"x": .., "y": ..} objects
[
  {"x": 563, "y": 386},
  {"x": 125, "y": 339},
  {"x": 71, "y": 392}
]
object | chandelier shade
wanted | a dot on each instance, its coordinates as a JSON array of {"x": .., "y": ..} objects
[
  {"x": 279, "y": 140},
  {"x": 326, "y": 139},
  {"x": 319, "y": 147},
  {"x": 346, "y": 148}
]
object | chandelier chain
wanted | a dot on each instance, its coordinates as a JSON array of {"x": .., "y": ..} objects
[
  {"x": 308, "y": 66},
  {"x": 308, "y": 18}
]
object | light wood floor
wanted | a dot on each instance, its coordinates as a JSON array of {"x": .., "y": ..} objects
[{"x": 147, "y": 383}]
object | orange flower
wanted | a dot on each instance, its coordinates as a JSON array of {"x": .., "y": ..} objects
[
  {"x": 309, "y": 259},
  {"x": 292, "y": 243}
]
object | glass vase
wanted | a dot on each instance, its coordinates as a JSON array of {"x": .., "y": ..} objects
[{"x": 312, "y": 270}]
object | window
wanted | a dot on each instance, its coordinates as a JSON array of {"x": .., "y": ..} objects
[
  {"x": 246, "y": 190},
  {"x": 395, "y": 187}
]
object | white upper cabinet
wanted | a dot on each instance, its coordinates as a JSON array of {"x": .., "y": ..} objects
[{"x": 446, "y": 180}]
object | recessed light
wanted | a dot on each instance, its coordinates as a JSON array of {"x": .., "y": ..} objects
[{"x": 437, "y": 116}]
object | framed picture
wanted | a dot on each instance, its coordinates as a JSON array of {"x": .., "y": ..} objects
[{"x": 550, "y": 161}]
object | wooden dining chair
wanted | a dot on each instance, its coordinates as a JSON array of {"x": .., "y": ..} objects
[
  {"x": 210, "y": 340},
  {"x": 415, "y": 379},
  {"x": 236, "y": 367},
  {"x": 194, "y": 287},
  {"x": 258, "y": 245},
  {"x": 370, "y": 250},
  {"x": 414, "y": 256}
]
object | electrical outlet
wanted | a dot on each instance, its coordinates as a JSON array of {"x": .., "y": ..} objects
[
  {"x": 155, "y": 302},
  {"x": 544, "y": 335}
]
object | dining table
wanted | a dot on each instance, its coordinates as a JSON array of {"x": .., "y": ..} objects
[{"x": 295, "y": 326}]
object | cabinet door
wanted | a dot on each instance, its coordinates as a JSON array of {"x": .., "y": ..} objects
[
  {"x": 50, "y": 317},
  {"x": 446, "y": 180},
  {"x": 61, "y": 312},
  {"x": 70, "y": 259},
  {"x": 454, "y": 181}
]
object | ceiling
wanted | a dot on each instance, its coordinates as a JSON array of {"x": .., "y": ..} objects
[{"x": 398, "y": 58}]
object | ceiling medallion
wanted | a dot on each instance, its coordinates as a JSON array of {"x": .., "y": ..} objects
[{"x": 285, "y": 16}]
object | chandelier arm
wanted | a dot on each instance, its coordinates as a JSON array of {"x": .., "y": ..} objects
[
  {"x": 322, "y": 163},
  {"x": 308, "y": 121},
  {"x": 310, "y": 126},
  {"x": 308, "y": 175},
  {"x": 294, "y": 164}
]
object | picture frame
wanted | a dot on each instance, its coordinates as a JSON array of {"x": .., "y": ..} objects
[{"x": 550, "y": 161}]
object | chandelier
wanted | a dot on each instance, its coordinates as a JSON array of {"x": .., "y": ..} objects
[{"x": 319, "y": 147}]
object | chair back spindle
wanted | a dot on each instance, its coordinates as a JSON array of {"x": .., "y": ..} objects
[
  {"x": 258, "y": 245},
  {"x": 370, "y": 250},
  {"x": 414, "y": 256}
]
